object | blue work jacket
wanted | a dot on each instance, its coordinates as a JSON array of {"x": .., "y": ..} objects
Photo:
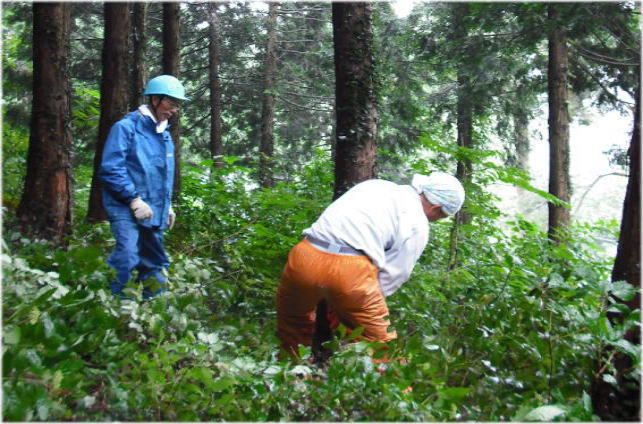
[{"x": 137, "y": 162}]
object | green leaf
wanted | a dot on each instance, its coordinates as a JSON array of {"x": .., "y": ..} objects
[
  {"x": 556, "y": 280},
  {"x": 34, "y": 314},
  {"x": 587, "y": 402},
  {"x": 43, "y": 412},
  {"x": 356, "y": 333},
  {"x": 609, "y": 378},
  {"x": 11, "y": 335},
  {"x": 300, "y": 369},
  {"x": 454, "y": 394},
  {"x": 523, "y": 183},
  {"x": 627, "y": 347},
  {"x": 201, "y": 374},
  {"x": 220, "y": 384},
  {"x": 56, "y": 379},
  {"x": 545, "y": 413},
  {"x": 623, "y": 290},
  {"x": 47, "y": 324}
]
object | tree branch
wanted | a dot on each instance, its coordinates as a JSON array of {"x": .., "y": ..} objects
[
  {"x": 302, "y": 107},
  {"x": 580, "y": 202},
  {"x": 584, "y": 68}
]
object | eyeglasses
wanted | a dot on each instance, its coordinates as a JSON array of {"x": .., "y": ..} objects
[{"x": 171, "y": 102}]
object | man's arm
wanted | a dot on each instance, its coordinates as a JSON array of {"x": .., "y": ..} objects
[
  {"x": 400, "y": 261},
  {"x": 113, "y": 170}
]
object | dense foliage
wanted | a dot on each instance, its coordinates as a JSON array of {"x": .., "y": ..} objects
[{"x": 511, "y": 335}]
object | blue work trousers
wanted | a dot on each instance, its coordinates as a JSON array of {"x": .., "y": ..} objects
[{"x": 137, "y": 248}]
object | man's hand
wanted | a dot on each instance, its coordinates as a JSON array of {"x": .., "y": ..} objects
[
  {"x": 141, "y": 209},
  {"x": 171, "y": 218}
]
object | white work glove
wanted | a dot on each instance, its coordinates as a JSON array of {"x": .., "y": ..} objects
[
  {"x": 141, "y": 209},
  {"x": 171, "y": 218}
]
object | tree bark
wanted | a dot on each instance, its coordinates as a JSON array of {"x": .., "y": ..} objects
[
  {"x": 139, "y": 49},
  {"x": 114, "y": 92},
  {"x": 171, "y": 60},
  {"x": 216, "y": 143},
  {"x": 355, "y": 101},
  {"x": 464, "y": 110},
  {"x": 46, "y": 204},
  {"x": 521, "y": 140},
  {"x": 356, "y": 127},
  {"x": 266, "y": 148},
  {"x": 623, "y": 403},
  {"x": 518, "y": 156},
  {"x": 559, "y": 181}
]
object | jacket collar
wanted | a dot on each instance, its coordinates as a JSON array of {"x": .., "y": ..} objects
[{"x": 160, "y": 126}]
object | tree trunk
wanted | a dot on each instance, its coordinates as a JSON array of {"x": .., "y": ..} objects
[
  {"x": 520, "y": 157},
  {"x": 355, "y": 101},
  {"x": 46, "y": 204},
  {"x": 114, "y": 92},
  {"x": 216, "y": 144},
  {"x": 465, "y": 131},
  {"x": 171, "y": 59},
  {"x": 623, "y": 403},
  {"x": 268, "y": 103},
  {"x": 521, "y": 140},
  {"x": 139, "y": 49},
  {"x": 356, "y": 127},
  {"x": 559, "y": 181}
]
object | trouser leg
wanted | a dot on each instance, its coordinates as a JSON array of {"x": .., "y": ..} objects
[
  {"x": 124, "y": 257},
  {"x": 354, "y": 295},
  {"x": 296, "y": 303},
  {"x": 153, "y": 260},
  {"x": 362, "y": 305},
  {"x": 350, "y": 285}
]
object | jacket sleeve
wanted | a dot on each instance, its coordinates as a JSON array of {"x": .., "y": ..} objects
[
  {"x": 113, "y": 170},
  {"x": 400, "y": 261}
]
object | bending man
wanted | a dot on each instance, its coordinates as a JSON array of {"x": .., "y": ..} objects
[{"x": 361, "y": 249}]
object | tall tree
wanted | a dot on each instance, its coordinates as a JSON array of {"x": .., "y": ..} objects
[
  {"x": 559, "y": 180},
  {"x": 46, "y": 203},
  {"x": 303, "y": 87},
  {"x": 139, "y": 49},
  {"x": 114, "y": 89},
  {"x": 216, "y": 143},
  {"x": 521, "y": 141},
  {"x": 520, "y": 113},
  {"x": 356, "y": 128},
  {"x": 464, "y": 107},
  {"x": 616, "y": 58},
  {"x": 622, "y": 402},
  {"x": 171, "y": 61},
  {"x": 266, "y": 148},
  {"x": 239, "y": 75},
  {"x": 355, "y": 100},
  {"x": 464, "y": 120},
  {"x": 304, "y": 83}
]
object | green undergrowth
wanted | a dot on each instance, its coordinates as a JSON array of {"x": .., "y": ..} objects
[{"x": 512, "y": 333}]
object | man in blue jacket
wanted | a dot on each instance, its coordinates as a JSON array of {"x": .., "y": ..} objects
[{"x": 137, "y": 172}]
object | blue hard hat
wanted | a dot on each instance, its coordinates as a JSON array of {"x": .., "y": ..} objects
[{"x": 166, "y": 85}]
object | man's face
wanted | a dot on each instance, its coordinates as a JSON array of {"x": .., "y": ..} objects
[
  {"x": 433, "y": 212},
  {"x": 164, "y": 108},
  {"x": 436, "y": 214}
]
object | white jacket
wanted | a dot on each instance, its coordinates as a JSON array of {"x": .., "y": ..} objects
[{"x": 383, "y": 219}]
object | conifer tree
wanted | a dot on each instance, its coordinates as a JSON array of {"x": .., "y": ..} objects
[
  {"x": 46, "y": 204},
  {"x": 115, "y": 93}
]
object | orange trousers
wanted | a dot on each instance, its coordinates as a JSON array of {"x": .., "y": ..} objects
[{"x": 347, "y": 282}]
